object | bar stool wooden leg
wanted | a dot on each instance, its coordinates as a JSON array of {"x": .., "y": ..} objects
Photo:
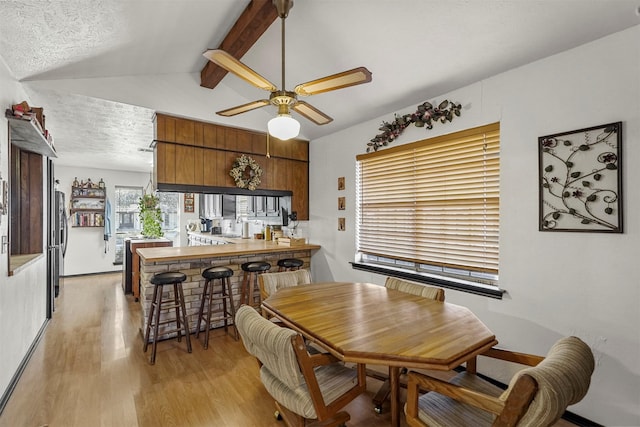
[
  {"x": 201, "y": 310},
  {"x": 177, "y": 309},
  {"x": 150, "y": 319},
  {"x": 184, "y": 319},
  {"x": 226, "y": 282},
  {"x": 158, "y": 308},
  {"x": 208, "y": 322},
  {"x": 244, "y": 289}
]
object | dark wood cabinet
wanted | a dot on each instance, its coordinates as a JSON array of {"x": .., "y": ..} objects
[{"x": 190, "y": 155}]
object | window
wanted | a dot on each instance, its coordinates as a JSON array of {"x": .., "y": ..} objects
[
  {"x": 126, "y": 217},
  {"x": 169, "y": 204},
  {"x": 127, "y": 212},
  {"x": 432, "y": 207}
]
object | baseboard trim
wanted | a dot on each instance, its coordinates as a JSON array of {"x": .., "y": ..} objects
[
  {"x": 25, "y": 361},
  {"x": 93, "y": 274}
]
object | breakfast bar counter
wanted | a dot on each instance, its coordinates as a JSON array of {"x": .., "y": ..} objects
[{"x": 193, "y": 260}]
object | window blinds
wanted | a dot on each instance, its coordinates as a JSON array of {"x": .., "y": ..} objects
[{"x": 434, "y": 201}]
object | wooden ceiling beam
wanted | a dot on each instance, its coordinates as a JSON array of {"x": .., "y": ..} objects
[{"x": 251, "y": 24}]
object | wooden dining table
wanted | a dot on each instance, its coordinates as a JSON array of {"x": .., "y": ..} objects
[{"x": 370, "y": 324}]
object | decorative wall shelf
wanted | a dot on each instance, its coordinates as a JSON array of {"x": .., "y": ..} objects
[{"x": 26, "y": 135}]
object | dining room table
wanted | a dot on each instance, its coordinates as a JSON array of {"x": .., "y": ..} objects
[{"x": 370, "y": 324}]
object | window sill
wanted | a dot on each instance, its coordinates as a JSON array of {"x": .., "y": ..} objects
[
  {"x": 18, "y": 263},
  {"x": 444, "y": 282}
]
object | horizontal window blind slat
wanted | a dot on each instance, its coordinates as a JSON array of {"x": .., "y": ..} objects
[{"x": 433, "y": 202}]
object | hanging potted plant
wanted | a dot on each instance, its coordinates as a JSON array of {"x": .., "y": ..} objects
[{"x": 150, "y": 216}]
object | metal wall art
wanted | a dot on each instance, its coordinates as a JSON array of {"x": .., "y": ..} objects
[{"x": 581, "y": 180}]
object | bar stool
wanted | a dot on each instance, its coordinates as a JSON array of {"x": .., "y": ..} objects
[
  {"x": 250, "y": 280},
  {"x": 211, "y": 274},
  {"x": 174, "y": 278},
  {"x": 289, "y": 264}
]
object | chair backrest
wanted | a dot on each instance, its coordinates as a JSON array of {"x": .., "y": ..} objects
[
  {"x": 413, "y": 288},
  {"x": 272, "y": 282},
  {"x": 563, "y": 379},
  {"x": 270, "y": 344}
]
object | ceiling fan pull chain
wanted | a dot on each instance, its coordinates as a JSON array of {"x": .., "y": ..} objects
[{"x": 283, "y": 53}]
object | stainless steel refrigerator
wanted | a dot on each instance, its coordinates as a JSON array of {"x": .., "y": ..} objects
[{"x": 57, "y": 247}]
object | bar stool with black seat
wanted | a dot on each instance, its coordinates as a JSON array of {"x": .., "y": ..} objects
[
  {"x": 174, "y": 278},
  {"x": 209, "y": 296},
  {"x": 250, "y": 281},
  {"x": 289, "y": 264}
]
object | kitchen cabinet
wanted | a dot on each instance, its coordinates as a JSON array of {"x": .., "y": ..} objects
[
  {"x": 194, "y": 156},
  {"x": 131, "y": 270}
]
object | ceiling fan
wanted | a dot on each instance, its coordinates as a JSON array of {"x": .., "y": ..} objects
[{"x": 284, "y": 126}]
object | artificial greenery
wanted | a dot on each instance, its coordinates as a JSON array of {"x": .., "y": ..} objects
[
  {"x": 425, "y": 116},
  {"x": 150, "y": 216}
]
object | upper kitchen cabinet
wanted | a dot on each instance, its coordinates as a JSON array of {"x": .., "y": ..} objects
[{"x": 194, "y": 156}]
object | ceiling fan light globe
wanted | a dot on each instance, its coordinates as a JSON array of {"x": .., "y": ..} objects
[{"x": 283, "y": 127}]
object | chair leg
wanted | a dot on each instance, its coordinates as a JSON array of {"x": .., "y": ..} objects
[
  {"x": 177, "y": 309},
  {"x": 227, "y": 283},
  {"x": 208, "y": 320},
  {"x": 252, "y": 278},
  {"x": 184, "y": 318},
  {"x": 201, "y": 310},
  {"x": 292, "y": 419},
  {"x": 244, "y": 289},
  {"x": 152, "y": 360},
  {"x": 150, "y": 319}
]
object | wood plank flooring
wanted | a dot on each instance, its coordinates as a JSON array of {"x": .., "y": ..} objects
[{"x": 89, "y": 370}]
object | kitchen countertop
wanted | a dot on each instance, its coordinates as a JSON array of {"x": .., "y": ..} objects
[{"x": 235, "y": 246}]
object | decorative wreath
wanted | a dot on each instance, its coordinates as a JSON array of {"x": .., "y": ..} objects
[{"x": 246, "y": 172}]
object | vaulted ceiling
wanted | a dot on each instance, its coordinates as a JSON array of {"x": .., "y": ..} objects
[{"x": 102, "y": 68}]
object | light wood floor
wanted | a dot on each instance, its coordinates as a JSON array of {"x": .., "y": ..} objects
[{"x": 89, "y": 370}]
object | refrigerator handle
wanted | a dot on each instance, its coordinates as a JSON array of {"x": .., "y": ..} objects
[{"x": 65, "y": 226}]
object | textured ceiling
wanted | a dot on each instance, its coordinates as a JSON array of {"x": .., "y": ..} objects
[{"x": 102, "y": 68}]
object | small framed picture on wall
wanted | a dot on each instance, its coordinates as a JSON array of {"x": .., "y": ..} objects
[
  {"x": 341, "y": 183},
  {"x": 189, "y": 203},
  {"x": 341, "y": 203},
  {"x": 341, "y": 224}
]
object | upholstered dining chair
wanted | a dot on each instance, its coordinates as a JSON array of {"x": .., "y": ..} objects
[
  {"x": 537, "y": 396},
  {"x": 309, "y": 389},
  {"x": 270, "y": 283},
  {"x": 412, "y": 288}
]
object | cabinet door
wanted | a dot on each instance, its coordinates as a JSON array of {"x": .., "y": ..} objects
[
  {"x": 259, "y": 143},
  {"x": 300, "y": 188},
  {"x": 165, "y": 128},
  {"x": 185, "y": 158},
  {"x": 210, "y": 139},
  {"x": 280, "y": 174},
  {"x": 210, "y": 167},
  {"x": 280, "y": 148},
  {"x": 300, "y": 150},
  {"x": 185, "y": 131},
  {"x": 165, "y": 158},
  {"x": 243, "y": 141},
  {"x": 198, "y": 165}
]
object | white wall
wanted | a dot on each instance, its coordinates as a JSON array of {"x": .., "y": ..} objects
[
  {"x": 23, "y": 296},
  {"x": 557, "y": 284},
  {"x": 86, "y": 246}
]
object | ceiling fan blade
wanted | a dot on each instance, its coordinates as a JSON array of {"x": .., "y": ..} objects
[
  {"x": 311, "y": 113},
  {"x": 231, "y": 64},
  {"x": 336, "y": 81},
  {"x": 243, "y": 108}
]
